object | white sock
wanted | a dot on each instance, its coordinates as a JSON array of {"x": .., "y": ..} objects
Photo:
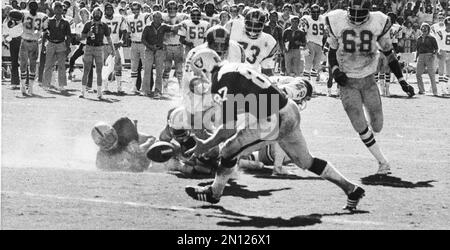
[
  {"x": 330, "y": 173},
  {"x": 119, "y": 82},
  {"x": 83, "y": 90},
  {"x": 369, "y": 140},
  {"x": 220, "y": 181}
]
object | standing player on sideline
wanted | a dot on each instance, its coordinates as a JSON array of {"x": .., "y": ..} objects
[
  {"x": 314, "y": 26},
  {"x": 210, "y": 16},
  {"x": 117, "y": 25},
  {"x": 193, "y": 31},
  {"x": 353, "y": 58},
  {"x": 136, "y": 23},
  {"x": 230, "y": 80},
  {"x": 260, "y": 48},
  {"x": 29, "y": 47},
  {"x": 443, "y": 40}
]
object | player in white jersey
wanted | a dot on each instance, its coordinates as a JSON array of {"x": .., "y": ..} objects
[
  {"x": 284, "y": 19},
  {"x": 175, "y": 50},
  {"x": 136, "y": 23},
  {"x": 193, "y": 31},
  {"x": 218, "y": 39},
  {"x": 210, "y": 16},
  {"x": 260, "y": 48},
  {"x": 29, "y": 47},
  {"x": 443, "y": 40},
  {"x": 355, "y": 39},
  {"x": 314, "y": 26},
  {"x": 118, "y": 27}
]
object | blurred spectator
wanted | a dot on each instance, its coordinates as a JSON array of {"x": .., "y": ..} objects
[
  {"x": 426, "y": 50},
  {"x": 294, "y": 38},
  {"x": 224, "y": 17}
]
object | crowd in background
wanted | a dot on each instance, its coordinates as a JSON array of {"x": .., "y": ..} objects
[{"x": 408, "y": 14}]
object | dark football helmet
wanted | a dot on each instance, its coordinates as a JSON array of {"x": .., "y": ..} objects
[
  {"x": 315, "y": 12},
  {"x": 254, "y": 23},
  {"x": 218, "y": 39},
  {"x": 196, "y": 14},
  {"x": 172, "y": 8},
  {"x": 358, "y": 11}
]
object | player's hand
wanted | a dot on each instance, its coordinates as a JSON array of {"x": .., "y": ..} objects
[
  {"x": 200, "y": 147},
  {"x": 68, "y": 51},
  {"x": 340, "y": 77},
  {"x": 407, "y": 88}
]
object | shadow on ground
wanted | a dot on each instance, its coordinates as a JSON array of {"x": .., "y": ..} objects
[
  {"x": 236, "y": 190},
  {"x": 234, "y": 219},
  {"x": 392, "y": 181}
]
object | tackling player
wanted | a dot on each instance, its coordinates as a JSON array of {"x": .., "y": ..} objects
[
  {"x": 354, "y": 44},
  {"x": 117, "y": 26},
  {"x": 29, "y": 47},
  {"x": 231, "y": 81}
]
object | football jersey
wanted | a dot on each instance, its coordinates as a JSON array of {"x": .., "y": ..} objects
[
  {"x": 32, "y": 25},
  {"x": 394, "y": 32},
  {"x": 170, "y": 37},
  {"x": 194, "y": 33},
  {"x": 315, "y": 29},
  {"x": 136, "y": 26},
  {"x": 283, "y": 21},
  {"x": 259, "y": 52},
  {"x": 357, "y": 45},
  {"x": 235, "y": 28},
  {"x": 234, "y": 79},
  {"x": 212, "y": 20},
  {"x": 115, "y": 24},
  {"x": 235, "y": 54},
  {"x": 443, "y": 39}
]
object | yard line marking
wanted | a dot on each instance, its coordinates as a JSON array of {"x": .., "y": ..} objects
[{"x": 159, "y": 207}]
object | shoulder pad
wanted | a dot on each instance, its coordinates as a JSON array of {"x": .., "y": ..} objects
[{"x": 333, "y": 19}]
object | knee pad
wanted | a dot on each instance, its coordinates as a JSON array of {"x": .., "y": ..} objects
[
  {"x": 227, "y": 163},
  {"x": 318, "y": 166}
]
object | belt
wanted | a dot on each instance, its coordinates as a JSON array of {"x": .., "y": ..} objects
[
  {"x": 95, "y": 45},
  {"x": 30, "y": 41},
  {"x": 135, "y": 42},
  {"x": 57, "y": 42},
  {"x": 173, "y": 45}
]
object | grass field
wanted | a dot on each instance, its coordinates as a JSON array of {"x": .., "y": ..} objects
[{"x": 49, "y": 180}]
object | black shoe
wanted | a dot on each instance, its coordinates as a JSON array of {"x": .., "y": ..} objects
[
  {"x": 353, "y": 198},
  {"x": 201, "y": 194},
  {"x": 15, "y": 87}
]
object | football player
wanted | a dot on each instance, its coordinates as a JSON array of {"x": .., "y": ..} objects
[
  {"x": 280, "y": 122},
  {"x": 175, "y": 51},
  {"x": 136, "y": 23},
  {"x": 193, "y": 31},
  {"x": 314, "y": 26},
  {"x": 121, "y": 147},
  {"x": 442, "y": 36},
  {"x": 210, "y": 14},
  {"x": 260, "y": 48},
  {"x": 353, "y": 57},
  {"x": 29, "y": 47},
  {"x": 118, "y": 28}
]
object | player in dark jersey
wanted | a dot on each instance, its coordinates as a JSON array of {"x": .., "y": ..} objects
[{"x": 242, "y": 95}]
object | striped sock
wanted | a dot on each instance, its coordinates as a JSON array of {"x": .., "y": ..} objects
[
  {"x": 134, "y": 76},
  {"x": 441, "y": 79},
  {"x": 306, "y": 74},
  {"x": 376, "y": 77},
  {"x": 369, "y": 140},
  {"x": 387, "y": 76}
]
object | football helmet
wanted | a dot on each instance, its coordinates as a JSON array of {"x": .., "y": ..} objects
[
  {"x": 179, "y": 124},
  {"x": 393, "y": 17},
  {"x": 104, "y": 136},
  {"x": 254, "y": 23},
  {"x": 204, "y": 61},
  {"x": 358, "y": 11},
  {"x": 196, "y": 15},
  {"x": 447, "y": 21},
  {"x": 218, "y": 39},
  {"x": 299, "y": 90},
  {"x": 209, "y": 8},
  {"x": 315, "y": 12},
  {"x": 172, "y": 8}
]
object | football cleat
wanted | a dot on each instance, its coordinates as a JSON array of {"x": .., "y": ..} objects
[
  {"x": 201, "y": 194},
  {"x": 353, "y": 198},
  {"x": 384, "y": 169}
]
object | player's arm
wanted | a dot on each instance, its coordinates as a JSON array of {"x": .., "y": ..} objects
[
  {"x": 123, "y": 30},
  {"x": 182, "y": 32},
  {"x": 267, "y": 62},
  {"x": 385, "y": 43},
  {"x": 108, "y": 38},
  {"x": 340, "y": 77}
]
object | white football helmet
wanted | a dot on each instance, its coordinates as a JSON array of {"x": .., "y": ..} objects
[
  {"x": 204, "y": 61},
  {"x": 179, "y": 119},
  {"x": 104, "y": 136},
  {"x": 299, "y": 90}
]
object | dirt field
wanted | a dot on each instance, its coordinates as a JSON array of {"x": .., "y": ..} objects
[{"x": 49, "y": 180}]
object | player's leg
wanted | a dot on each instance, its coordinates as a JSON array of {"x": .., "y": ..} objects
[
  {"x": 316, "y": 64},
  {"x": 134, "y": 56},
  {"x": 447, "y": 73},
  {"x": 167, "y": 67},
  {"x": 294, "y": 144},
  {"x": 23, "y": 61},
  {"x": 179, "y": 65},
  {"x": 33, "y": 66},
  {"x": 118, "y": 70},
  {"x": 106, "y": 53},
  {"x": 308, "y": 61}
]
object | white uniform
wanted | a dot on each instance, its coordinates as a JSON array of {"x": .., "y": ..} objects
[
  {"x": 212, "y": 20},
  {"x": 136, "y": 26},
  {"x": 194, "y": 33},
  {"x": 259, "y": 52},
  {"x": 32, "y": 25},
  {"x": 394, "y": 32},
  {"x": 315, "y": 29},
  {"x": 283, "y": 21},
  {"x": 235, "y": 54},
  {"x": 169, "y": 37},
  {"x": 235, "y": 28},
  {"x": 358, "y": 45},
  {"x": 137, "y": 52},
  {"x": 115, "y": 24}
]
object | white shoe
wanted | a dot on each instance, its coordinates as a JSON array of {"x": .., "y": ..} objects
[
  {"x": 281, "y": 171},
  {"x": 30, "y": 88},
  {"x": 249, "y": 164},
  {"x": 384, "y": 169},
  {"x": 134, "y": 89}
]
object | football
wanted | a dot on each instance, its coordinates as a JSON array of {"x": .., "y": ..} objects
[{"x": 161, "y": 151}]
